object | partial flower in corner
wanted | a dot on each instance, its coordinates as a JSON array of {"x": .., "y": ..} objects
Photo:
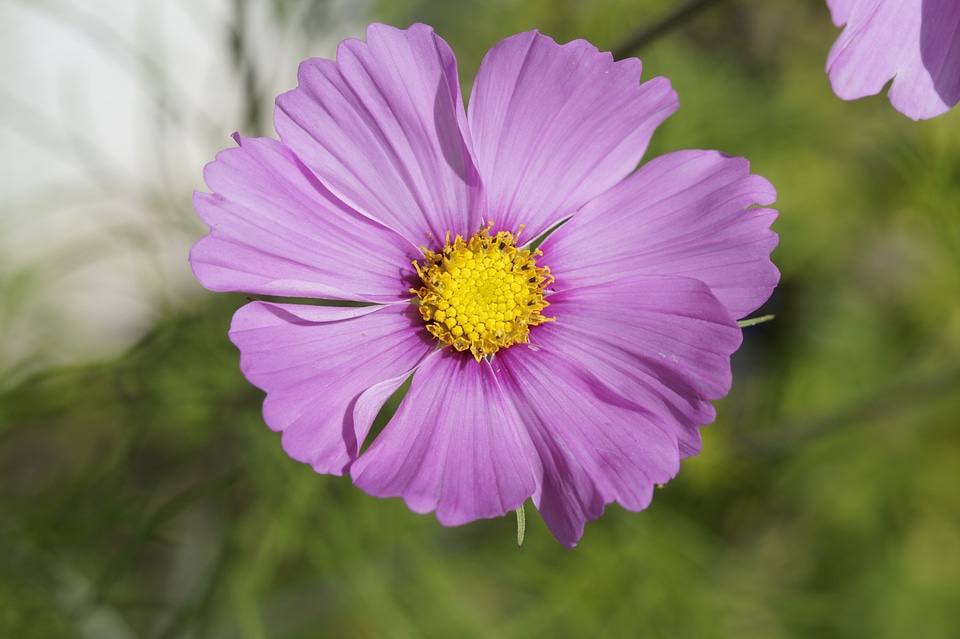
[
  {"x": 915, "y": 43},
  {"x": 576, "y": 373}
]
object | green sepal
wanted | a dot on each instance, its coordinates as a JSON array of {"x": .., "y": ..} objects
[
  {"x": 753, "y": 321},
  {"x": 521, "y": 525}
]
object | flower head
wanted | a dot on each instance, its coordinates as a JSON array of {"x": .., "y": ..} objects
[
  {"x": 916, "y": 43},
  {"x": 576, "y": 373}
]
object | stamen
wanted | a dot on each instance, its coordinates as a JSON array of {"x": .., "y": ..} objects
[{"x": 483, "y": 294}]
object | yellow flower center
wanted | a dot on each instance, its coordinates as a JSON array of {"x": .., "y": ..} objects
[{"x": 483, "y": 294}]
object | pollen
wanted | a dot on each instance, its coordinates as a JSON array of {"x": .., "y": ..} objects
[{"x": 482, "y": 294}]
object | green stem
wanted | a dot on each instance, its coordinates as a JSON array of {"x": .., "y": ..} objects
[{"x": 650, "y": 32}]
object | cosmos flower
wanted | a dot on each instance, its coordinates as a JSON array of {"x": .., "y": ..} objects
[
  {"x": 916, "y": 43},
  {"x": 577, "y": 373}
]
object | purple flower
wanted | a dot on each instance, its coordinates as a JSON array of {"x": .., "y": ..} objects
[
  {"x": 578, "y": 373},
  {"x": 914, "y": 42}
]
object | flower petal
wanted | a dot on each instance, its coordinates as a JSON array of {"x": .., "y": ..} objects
[
  {"x": 683, "y": 213},
  {"x": 553, "y": 126},
  {"x": 664, "y": 342},
  {"x": 381, "y": 127},
  {"x": 314, "y": 361},
  {"x": 275, "y": 230},
  {"x": 840, "y": 10},
  {"x": 455, "y": 446},
  {"x": 595, "y": 446},
  {"x": 914, "y": 42}
]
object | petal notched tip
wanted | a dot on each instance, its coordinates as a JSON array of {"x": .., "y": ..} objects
[{"x": 455, "y": 446}]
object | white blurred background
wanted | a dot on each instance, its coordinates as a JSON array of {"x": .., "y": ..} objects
[{"x": 108, "y": 111}]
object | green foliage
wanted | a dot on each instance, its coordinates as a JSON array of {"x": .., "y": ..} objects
[{"x": 144, "y": 497}]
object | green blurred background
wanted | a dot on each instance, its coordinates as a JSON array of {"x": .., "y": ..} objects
[{"x": 141, "y": 495}]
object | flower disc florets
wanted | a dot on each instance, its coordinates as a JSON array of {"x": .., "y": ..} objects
[{"x": 483, "y": 294}]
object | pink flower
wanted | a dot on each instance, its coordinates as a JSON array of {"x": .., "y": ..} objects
[
  {"x": 914, "y": 42},
  {"x": 578, "y": 375}
]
